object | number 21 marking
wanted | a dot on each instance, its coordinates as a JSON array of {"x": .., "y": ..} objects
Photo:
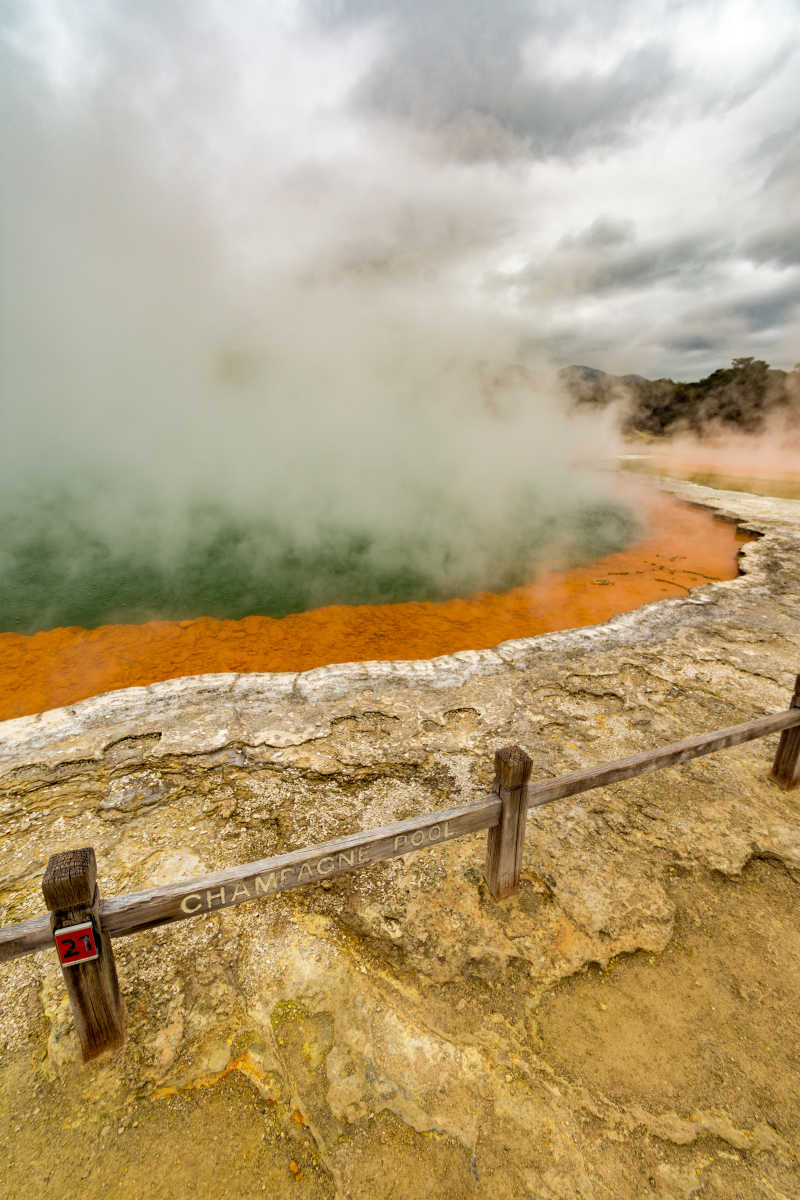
[
  {"x": 76, "y": 944},
  {"x": 71, "y": 950}
]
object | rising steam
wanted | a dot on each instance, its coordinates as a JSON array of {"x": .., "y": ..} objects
[{"x": 250, "y": 373}]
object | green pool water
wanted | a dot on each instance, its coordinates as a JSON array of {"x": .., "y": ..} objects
[{"x": 73, "y": 560}]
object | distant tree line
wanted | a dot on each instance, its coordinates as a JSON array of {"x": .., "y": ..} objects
[{"x": 745, "y": 396}]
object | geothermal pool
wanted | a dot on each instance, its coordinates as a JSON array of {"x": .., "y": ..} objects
[{"x": 678, "y": 547}]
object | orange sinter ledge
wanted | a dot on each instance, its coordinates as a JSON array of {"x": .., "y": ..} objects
[{"x": 685, "y": 547}]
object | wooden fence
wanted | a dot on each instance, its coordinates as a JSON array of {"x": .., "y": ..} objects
[{"x": 82, "y": 925}]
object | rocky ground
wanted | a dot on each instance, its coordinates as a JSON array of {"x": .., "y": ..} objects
[{"x": 627, "y": 1026}]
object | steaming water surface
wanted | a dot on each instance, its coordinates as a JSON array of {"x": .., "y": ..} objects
[{"x": 62, "y": 566}]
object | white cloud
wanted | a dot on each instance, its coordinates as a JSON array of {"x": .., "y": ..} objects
[{"x": 434, "y": 145}]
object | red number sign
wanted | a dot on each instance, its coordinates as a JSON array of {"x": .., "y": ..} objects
[{"x": 76, "y": 944}]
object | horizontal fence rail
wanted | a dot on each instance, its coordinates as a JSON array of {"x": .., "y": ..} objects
[
  {"x": 87, "y": 923},
  {"x": 178, "y": 901},
  {"x": 655, "y": 760}
]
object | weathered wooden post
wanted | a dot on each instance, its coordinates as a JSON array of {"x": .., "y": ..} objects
[
  {"x": 84, "y": 950},
  {"x": 506, "y": 840},
  {"x": 786, "y": 768}
]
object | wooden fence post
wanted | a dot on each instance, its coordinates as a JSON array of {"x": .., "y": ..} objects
[
  {"x": 786, "y": 767},
  {"x": 506, "y": 841},
  {"x": 84, "y": 950}
]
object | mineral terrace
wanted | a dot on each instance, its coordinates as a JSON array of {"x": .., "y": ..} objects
[{"x": 627, "y": 1026}]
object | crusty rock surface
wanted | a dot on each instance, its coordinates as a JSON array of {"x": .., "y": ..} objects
[{"x": 627, "y": 1026}]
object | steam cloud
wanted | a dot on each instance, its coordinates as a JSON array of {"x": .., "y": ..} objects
[{"x": 241, "y": 338}]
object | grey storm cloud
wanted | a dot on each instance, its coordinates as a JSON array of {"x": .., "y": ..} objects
[
  {"x": 606, "y": 257},
  {"x": 769, "y": 310},
  {"x": 704, "y": 333},
  {"x": 603, "y": 232},
  {"x": 617, "y": 180},
  {"x": 680, "y": 259},
  {"x": 692, "y": 344},
  {"x": 779, "y": 245},
  {"x": 785, "y": 174},
  {"x": 525, "y": 85},
  {"x": 458, "y": 69}
]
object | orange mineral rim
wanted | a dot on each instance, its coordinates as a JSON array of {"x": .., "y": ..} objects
[{"x": 685, "y": 546}]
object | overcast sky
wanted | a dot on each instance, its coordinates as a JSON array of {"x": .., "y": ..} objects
[{"x": 620, "y": 180}]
